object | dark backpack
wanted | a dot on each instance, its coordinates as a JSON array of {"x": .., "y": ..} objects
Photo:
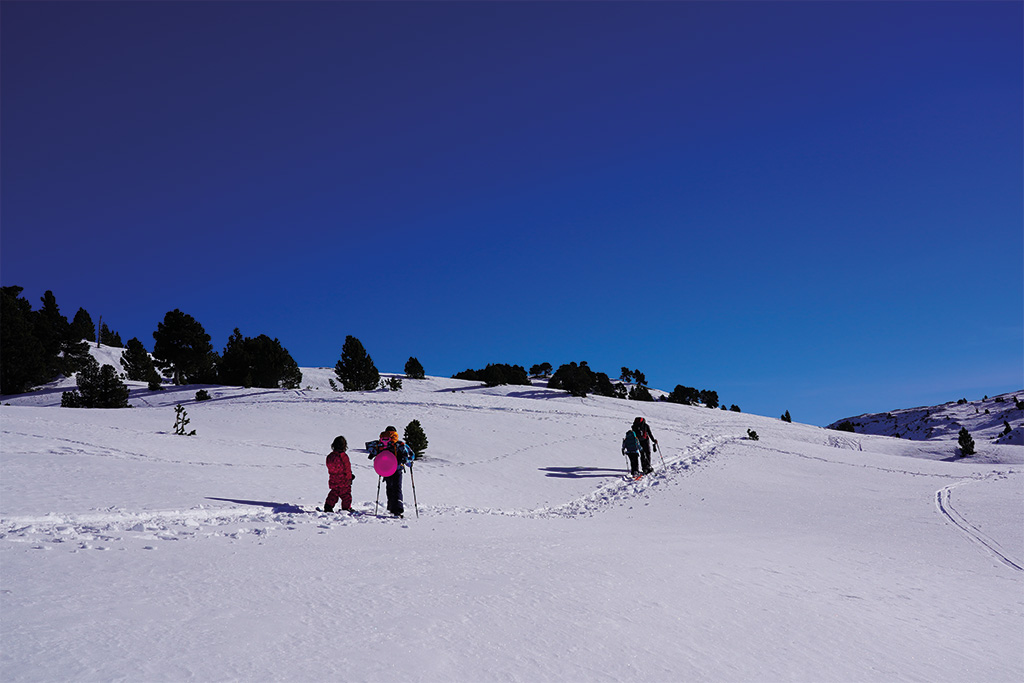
[{"x": 631, "y": 444}]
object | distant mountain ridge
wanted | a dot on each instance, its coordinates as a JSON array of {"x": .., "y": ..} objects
[{"x": 986, "y": 420}]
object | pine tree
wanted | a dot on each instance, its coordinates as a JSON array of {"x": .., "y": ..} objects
[
  {"x": 260, "y": 362},
  {"x": 183, "y": 347},
  {"x": 356, "y": 370},
  {"x": 966, "y": 442},
  {"x": 137, "y": 363},
  {"x": 109, "y": 338},
  {"x": 786, "y": 417},
  {"x": 99, "y": 387},
  {"x": 82, "y": 326},
  {"x": 51, "y": 330},
  {"x": 22, "y": 365},
  {"x": 709, "y": 398},
  {"x": 415, "y": 438},
  {"x": 413, "y": 369}
]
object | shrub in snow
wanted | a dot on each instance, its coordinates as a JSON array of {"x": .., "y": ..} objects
[
  {"x": 752, "y": 435},
  {"x": 639, "y": 393},
  {"x": 391, "y": 384},
  {"x": 202, "y": 395}
]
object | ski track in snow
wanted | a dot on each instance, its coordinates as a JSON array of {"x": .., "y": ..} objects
[
  {"x": 944, "y": 503},
  {"x": 117, "y": 528}
]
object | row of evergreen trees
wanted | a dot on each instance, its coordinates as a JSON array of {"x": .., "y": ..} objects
[{"x": 41, "y": 345}]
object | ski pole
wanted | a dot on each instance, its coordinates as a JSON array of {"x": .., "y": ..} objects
[
  {"x": 412, "y": 480},
  {"x": 376, "y": 503},
  {"x": 660, "y": 455}
]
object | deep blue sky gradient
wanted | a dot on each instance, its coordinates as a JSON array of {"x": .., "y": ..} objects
[{"x": 813, "y": 207}]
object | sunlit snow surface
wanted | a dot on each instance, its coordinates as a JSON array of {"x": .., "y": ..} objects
[{"x": 130, "y": 553}]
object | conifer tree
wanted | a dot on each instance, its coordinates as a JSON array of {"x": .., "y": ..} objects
[
  {"x": 413, "y": 369},
  {"x": 786, "y": 417},
  {"x": 416, "y": 438},
  {"x": 51, "y": 331},
  {"x": 183, "y": 347},
  {"x": 260, "y": 362},
  {"x": 108, "y": 337},
  {"x": 22, "y": 365},
  {"x": 138, "y": 364},
  {"x": 356, "y": 370},
  {"x": 82, "y": 326},
  {"x": 966, "y": 442},
  {"x": 98, "y": 387}
]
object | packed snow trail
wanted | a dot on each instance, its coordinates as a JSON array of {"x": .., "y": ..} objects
[{"x": 106, "y": 529}]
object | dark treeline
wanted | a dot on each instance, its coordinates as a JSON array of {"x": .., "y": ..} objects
[
  {"x": 40, "y": 346},
  {"x": 578, "y": 379}
]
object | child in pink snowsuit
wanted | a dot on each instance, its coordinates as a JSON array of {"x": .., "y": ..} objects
[{"x": 340, "y": 482}]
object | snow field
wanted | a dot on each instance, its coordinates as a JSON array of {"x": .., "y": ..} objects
[{"x": 129, "y": 553}]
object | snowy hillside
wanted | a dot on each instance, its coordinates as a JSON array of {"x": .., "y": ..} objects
[
  {"x": 986, "y": 420},
  {"x": 130, "y": 553}
]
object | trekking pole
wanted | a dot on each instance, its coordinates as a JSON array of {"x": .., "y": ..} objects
[
  {"x": 412, "y": 480},
  {"x": 629, "y": 465},
  {"x": 660, "y": 455},
  {"x": 376, "y": 503}
]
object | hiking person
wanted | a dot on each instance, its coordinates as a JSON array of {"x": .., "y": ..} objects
[
  {"x": 340, "y": 481},
  {"x": 631, "y": 449},
  {"x": 643, "y": 432},
  {"x": 389, "y": 441}
]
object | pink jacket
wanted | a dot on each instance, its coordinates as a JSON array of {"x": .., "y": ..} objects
[{"x": 340, "y": 469}]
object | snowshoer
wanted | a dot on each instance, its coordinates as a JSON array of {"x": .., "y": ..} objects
[
  {"x": 643, "y": 432},
  {"x": 631, "y": 449},
  {"x": 389, "y": 441},
  {"x": 340, "y": 481}
]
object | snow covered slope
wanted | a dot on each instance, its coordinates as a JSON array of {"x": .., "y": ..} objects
[
  {"x": 986, "y": 420},
  {"x": 127, "y": 552}
]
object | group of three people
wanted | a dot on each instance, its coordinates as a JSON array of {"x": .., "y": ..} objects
[{"x": 341, "y": 476}]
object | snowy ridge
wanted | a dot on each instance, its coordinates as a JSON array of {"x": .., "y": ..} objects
[{"x": 985, "y": 419}]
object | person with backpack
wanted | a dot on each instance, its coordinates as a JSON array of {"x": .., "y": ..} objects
[
  {"x": 389, "y": 441},
  {"x": 339, "y": 467},
  {"x": 631, "y": 449},
  {"x": 643, "y": 433}
]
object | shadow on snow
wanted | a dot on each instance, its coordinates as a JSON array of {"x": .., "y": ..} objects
[
  {"x": 274, "y": 507},
  {"x": 580, "y": 472}
]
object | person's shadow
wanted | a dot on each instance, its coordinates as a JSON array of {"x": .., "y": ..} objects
[
  {"x": 581, "y": 472},
  {"x": 274, "y": 507}
]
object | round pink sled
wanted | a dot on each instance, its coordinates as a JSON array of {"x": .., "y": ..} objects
[{"x": 385, "y": 464}]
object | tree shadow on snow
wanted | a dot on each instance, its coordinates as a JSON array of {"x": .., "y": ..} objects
[
  {"x": 580, "y": 472},
  {"x": 275, "y": 507}
]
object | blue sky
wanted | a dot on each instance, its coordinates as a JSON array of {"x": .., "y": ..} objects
[{"x": 813, "y": 207}]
